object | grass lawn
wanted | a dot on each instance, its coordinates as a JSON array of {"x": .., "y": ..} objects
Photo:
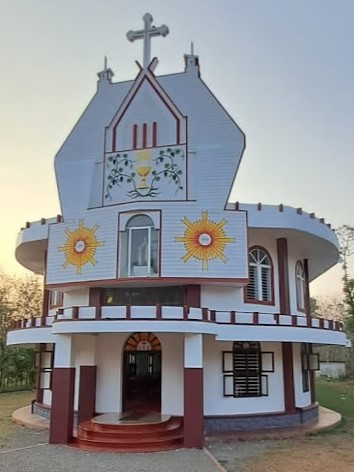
[
  {"x": 337, "y": 395},
  {"x": 8, "y": 403}
]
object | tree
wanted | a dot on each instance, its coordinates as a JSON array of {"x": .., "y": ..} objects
[
  {"x": 6, "y": 312},
  {"x": 28, "y": 297},
  {"x": 345, "y": 235},
  {"x": 330, "y": 307},
  {"x": 19, "y": 298}
]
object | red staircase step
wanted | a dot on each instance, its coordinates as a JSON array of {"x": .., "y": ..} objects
[{"x": 131, "y": 437}]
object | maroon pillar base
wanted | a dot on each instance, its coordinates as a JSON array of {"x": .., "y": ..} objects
[
  {"x": 62, "y": 411},
  {"x": 193, "y": 423},
  {"x": 87, "y": 393},
  {"x": 288, "y": 372}
]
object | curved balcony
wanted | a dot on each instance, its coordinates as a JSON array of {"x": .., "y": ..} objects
[
  {"x": 312, "y": 236},
  {"x": 225, "y": 325},
  {"x": 32, "y": 243}
]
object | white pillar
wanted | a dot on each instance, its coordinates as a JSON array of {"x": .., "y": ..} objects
[
  {"x": 193, "y": 351},
  {"x": 63, "y": 350}
]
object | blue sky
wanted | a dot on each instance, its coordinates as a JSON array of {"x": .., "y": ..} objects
[{"x": 284, "y": 69}]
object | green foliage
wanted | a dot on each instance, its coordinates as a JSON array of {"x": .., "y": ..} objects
[{"x": 19, "y": 298}]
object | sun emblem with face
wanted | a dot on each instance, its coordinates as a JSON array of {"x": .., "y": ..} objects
[
  {"x": 80, "y": 246},
  {"x": 204, "y": 240}
]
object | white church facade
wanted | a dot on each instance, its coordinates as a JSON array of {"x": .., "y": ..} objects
[{"x": 160, "y": 295}]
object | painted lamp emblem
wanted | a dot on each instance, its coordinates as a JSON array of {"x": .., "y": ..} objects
[
  {"x": 204, "y": 240},
  {"x": 80, "y": 246},
  {"x": 143, "y": 175}
]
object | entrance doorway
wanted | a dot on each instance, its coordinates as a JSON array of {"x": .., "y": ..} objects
[{"x": 142, "y": 373}]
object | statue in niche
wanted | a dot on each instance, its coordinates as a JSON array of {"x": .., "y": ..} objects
[{"x": 142, "y": 253}]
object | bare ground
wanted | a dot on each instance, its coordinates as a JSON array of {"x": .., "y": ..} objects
[{"x": 321, "y": 453}]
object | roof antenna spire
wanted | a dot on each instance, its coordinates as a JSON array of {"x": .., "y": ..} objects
[
  {"x": 105, "y": 63},
  {"x": 192, "y": 48}
]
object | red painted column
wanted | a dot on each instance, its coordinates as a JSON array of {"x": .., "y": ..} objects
[
  {"x": 87, "y": 393},
  {"x": 192, "y": 296},
  {"x": 283, "y": 275},
  {"x": 193, "y": 424},
  {"x": 288, "y": 369},
  {"x": 284, "y": 301},
  {"x": 62, "y": 411}
]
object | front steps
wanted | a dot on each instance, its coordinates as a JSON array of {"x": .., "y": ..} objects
[{"x": 149, "y": 433}]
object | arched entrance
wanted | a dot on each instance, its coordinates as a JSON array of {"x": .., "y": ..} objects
[{"x": 142, "y": 373}]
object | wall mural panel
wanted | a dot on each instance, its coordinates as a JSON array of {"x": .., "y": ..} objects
[
  {"x": 204, "y": 240},
  {"x": 145, "y": 174},
  {"x": 83, "y": 249},
  {"x": 80, "y": 246}
]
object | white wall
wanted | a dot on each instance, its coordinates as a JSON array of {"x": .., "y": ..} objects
[
  {"x": 47, "y": 397},
  {"x": 301, "y": 398},
  {"x": 217, "y": 297},
  {"x": 76, "y": 298},
  {"x": 109, "y": 348},
  {"x": 214, "y": 401},
  {"x": 84, "y": 353},
  {"x": 172, "y": 374}
]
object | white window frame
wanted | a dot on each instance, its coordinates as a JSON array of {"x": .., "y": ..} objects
[
  {"x": 130, "y": 264},
  {"x": 259, "y": 265}
]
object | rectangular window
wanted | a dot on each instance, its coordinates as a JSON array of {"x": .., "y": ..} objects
[
  {"x": 45, "y": 362},
  {"x": 55, "y": 299},
  {"x": 140, "y": 296},
  {"x": 243, "y": 372},
  {"x": 310, "y": 362}
]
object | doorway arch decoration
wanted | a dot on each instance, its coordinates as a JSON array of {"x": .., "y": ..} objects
[{"x": 142, "y": 342}]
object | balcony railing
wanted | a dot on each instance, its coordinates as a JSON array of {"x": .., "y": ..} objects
[{"x": 176, "y": 313}]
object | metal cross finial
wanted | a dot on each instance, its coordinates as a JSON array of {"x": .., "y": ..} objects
[{"x": 146, "y": 34}]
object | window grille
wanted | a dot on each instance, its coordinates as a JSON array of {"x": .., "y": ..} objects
[
  {"x": 243, "y": 373},
  {"x": 259, "y": 288}
]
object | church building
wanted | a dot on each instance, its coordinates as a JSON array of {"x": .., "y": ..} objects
[{"x": 169, "y": 312}]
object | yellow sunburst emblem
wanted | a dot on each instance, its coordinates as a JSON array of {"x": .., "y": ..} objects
[
  {"x": 204, "y": 240},
  {"x": 80, "y": 246}
]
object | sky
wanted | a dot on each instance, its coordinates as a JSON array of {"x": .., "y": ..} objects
[{"x": 283, "y": 69}]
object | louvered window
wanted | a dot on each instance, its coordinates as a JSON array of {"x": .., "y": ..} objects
[
  {"x": 247, "y": 369},
  {"x": 259, "y": 288},
  {"x": 300, "y": 286}
]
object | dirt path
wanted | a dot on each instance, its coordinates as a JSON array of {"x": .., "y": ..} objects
[
  {"x": 330, "y": 453},
  {"x": 325, "y": 454}
]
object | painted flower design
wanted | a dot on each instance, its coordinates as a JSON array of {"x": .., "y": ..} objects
[
  {"x": 204, "y": 240},
  {"x": 80, "y": 246}
]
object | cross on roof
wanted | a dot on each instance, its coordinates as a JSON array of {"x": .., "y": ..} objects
[{"x": 146, "y": 34}]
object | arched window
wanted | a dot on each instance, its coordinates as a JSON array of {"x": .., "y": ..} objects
[
  {"x": 139, "y": 248},
  {"x": 300, "y": 281},
  {"x": 260, "y": 286}
]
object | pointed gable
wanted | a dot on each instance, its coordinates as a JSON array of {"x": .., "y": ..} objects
[
  {"x": 145, "y": 148},
  {"x": 146, "y": 118}
]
